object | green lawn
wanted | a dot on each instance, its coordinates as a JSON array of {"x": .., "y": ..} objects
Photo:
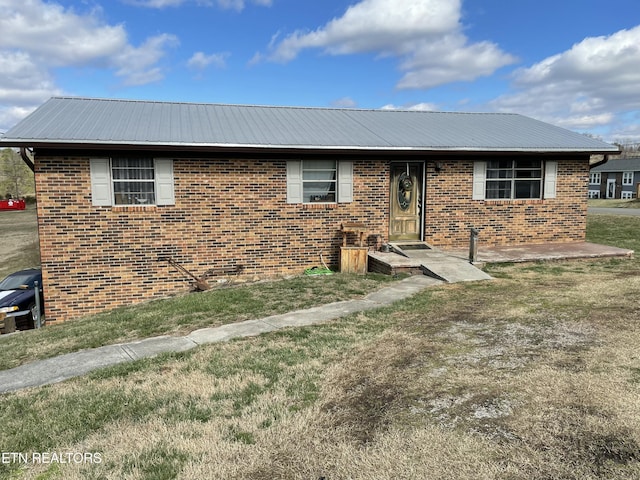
[{"x": 535, "y": 375}]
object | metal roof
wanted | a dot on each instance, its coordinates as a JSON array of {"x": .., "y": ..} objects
[
  {"x": 631, "y": 164},
  {"x": 77, "y": 122}
]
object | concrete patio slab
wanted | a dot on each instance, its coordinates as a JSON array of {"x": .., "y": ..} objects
[{"x": 542, "y": 252}]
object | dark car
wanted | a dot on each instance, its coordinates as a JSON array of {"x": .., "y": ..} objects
[{"x": 18, "y": 298}]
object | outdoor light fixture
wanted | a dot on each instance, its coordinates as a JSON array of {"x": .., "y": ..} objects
[{"x": 439, "y": 166}]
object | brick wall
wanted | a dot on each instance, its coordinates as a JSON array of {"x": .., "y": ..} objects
[
  {"x": 234, "y": 212},
  {"x": 227, "y": 213},
  {"x": 450, "y": 211}
]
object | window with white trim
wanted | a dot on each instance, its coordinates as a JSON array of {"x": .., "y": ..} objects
[
  {"x": 595, "y": 178},
  {"x": 131, "y": 181},
  {"x": 627, "y": 178},
  {"x": 594, "y": 193},
  {"x": 319, "y": 181},
  {"x": 626, "y": 195},
  {"x": 514, "y": 179}
]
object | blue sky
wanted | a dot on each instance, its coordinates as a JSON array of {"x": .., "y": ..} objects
[{"x": 573, "y": 63}]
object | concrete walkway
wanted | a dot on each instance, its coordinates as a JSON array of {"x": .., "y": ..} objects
[
  {"x": 58, "y": 369},
  {"x": 632, "y": 212}
]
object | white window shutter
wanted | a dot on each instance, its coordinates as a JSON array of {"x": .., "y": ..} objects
[
  {"x": 294, "y": 181},
  {"x": 345, "y": 181},
  {"x": 550, "y": 179},
  {"x": 479, "y": 180},
  {"x": 100, "y": 182},
  {"x": 164, "y": 182}
]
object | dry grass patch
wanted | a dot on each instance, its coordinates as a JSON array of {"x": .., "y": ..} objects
[{"x": 533, "y": 376}]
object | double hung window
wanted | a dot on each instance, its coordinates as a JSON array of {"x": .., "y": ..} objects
[
  {"x": 520, "y": 179},
  {"x": 132, "y": 181},
  {"x": 514, "y": 179},
  {"x": 319, "y": 180},
  {"x": 627, "y": 178}
]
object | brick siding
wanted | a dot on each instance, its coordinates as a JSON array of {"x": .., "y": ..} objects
[
  {"x": 231, "y": 212},
  {"x": 227, "y": 213},
  {"x": 450, "y": 212}
]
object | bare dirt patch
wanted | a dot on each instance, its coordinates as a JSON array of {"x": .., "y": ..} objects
[{"x": 18, "y": 240}]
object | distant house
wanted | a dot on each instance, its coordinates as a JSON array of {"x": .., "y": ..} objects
[
  {"x": 122, "y": 185},
  {"x": 618, "y": 178}
]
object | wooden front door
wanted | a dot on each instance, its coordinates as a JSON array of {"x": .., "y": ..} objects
[{"x": 406, "y": 201}]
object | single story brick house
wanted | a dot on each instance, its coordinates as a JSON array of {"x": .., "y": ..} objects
[
  {"x": 618, "y": 178},
  {"x": 123, "y": 184}
]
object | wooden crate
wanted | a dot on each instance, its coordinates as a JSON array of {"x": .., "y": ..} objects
[{"x": 354, "y": 259}]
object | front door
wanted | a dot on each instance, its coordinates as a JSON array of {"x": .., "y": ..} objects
[
  {"x": 611, "y": 188},
  {"x": 406, "y": 201}
]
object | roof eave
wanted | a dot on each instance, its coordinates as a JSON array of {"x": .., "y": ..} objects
[{"x": 219, "y": 147}]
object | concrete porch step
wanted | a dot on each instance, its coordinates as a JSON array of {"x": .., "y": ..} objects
[{"x": 430, "y": 261}]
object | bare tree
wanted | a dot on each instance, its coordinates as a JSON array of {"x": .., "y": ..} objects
[{"x": 16, "y": 178}]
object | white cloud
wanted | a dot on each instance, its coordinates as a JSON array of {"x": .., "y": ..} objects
[
  {"x": 137, "y": 65},
  {"x": 344, "y": 102},
  {"x": 56, "y": 37},
  {"x": 237, "y": 5},
  {"x": 426, "y": 35},
  {"x": 420, "y": 107},
  {"x": 200, "y": 60},
  {"x": 586, "y": 87},
  {"x": 38, "y": 37},
  {"x": 9, "y": 116}
]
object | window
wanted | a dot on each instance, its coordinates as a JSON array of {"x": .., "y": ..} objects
[
  {"x": 131, "y": 181},
  {"x": 594, "y": 193},
  {"x": 513, "y": 179},
  {"x": 627, "y": 178},
  {"x": 595, "y": 178},
  {"x": 319, "y": 181},
  {"x": 627, "y": 195}
]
